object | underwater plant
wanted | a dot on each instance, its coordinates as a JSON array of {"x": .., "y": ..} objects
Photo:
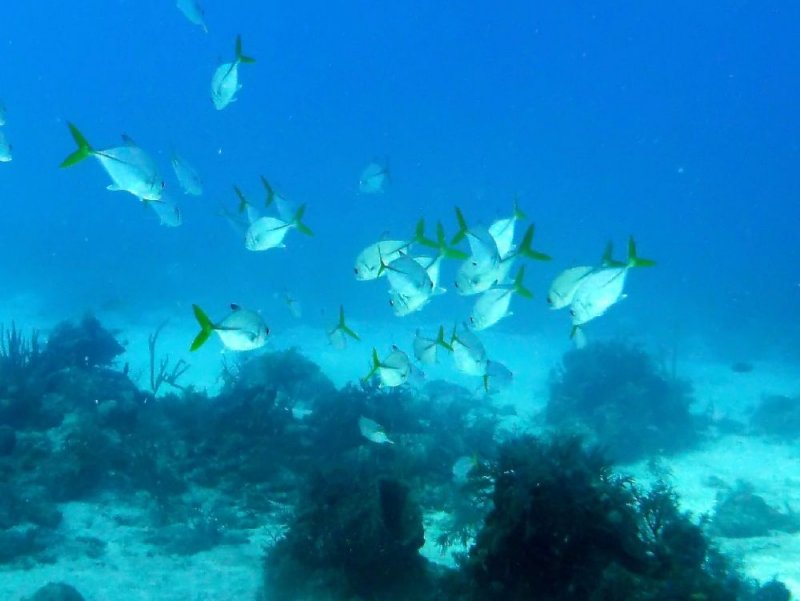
[
  {"x": 741, "y": 513},
  {"x": 614, "y": 392},
  {"x": 355, "y": 534},
  {"x": 564, "y": 527},
  {"x": 85, "y": 344}
]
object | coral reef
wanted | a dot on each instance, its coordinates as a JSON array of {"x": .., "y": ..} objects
[
  {"x": 614, "y": 393},
  {"x": 281, "y": 446}
]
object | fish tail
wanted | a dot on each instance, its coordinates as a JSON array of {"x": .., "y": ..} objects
[
  {"x": 608, "y": 259},
  {"x": 342, "y": 325},
  {"x": 633, "y": 259},
  {"x": 206, "y": 327},
  {"x": 270, "y": 192},
  {"x": 454, "y": 335},
  {"x": 441, "y": 341},
  {"x": 519, "y": 287},
  {"x": 420, "y": 238},
  {"x": 241, "y": 56},
  {"x": 376, "y": 365},
  {"x": 519, "y": 215},
  {"x": 462, "y": 228},
  {"x": 447, "y": 251},
  {"x": 242, "y": 200},
  {"x": 526, "y": 246},
  {"x": 298, "y": 221},
  {"x": 84, "y": 149}
]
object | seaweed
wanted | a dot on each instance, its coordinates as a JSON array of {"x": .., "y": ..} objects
[
  {"x": 564, "y": 528},
  {"x": 615, "y": 393},
  {"x": 741, "y": 513},
  {"x": 353, "y": 534},
  {"x": 83, "y": 345}
]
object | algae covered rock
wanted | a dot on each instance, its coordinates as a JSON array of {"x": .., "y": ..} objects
[
  {"x": 57, "y": 591},
  {"x": 353, "y": 535},
  {"x": 85, "y": 344},
  {"x": 614, "y": 393}
]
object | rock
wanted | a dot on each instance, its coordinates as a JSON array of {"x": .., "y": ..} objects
[{"x": 57, "y": 591}]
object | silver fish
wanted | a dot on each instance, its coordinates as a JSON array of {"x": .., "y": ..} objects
[
  {"x": 241, "y": 330},
  {"x": 193, "y": 12},
  {"x": 130, "y": 168},
  {"x": 187, "y": 175},
  {"x": 373, "y": 179},
  {"x": 225, "y": 81}
]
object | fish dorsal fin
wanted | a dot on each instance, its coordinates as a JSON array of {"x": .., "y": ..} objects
[{"x": 235, "y": 307}]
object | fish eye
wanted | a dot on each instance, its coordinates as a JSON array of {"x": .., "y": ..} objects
[
  {"x": 549, "y": 301},
  {"x": 266, "y": 330},
  {"x": 391, "y": 302},
  {"x": 355, "y": 270},
  {"x": 572, "y": 312}
]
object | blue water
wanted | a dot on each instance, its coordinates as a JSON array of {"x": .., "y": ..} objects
[{"x": 677, "y": 124}]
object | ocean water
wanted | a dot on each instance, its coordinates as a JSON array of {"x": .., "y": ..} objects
[{"x": 676, "y": 124}]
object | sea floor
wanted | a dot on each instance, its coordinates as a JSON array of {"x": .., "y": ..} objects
[{"x": 129, "y": 568}]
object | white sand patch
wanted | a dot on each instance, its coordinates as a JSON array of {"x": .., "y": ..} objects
[{"x": 134, "y": 571}]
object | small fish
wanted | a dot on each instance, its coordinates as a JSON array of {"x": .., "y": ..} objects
[
  {"x": 6, "y": 154},
  {"x": 405, "y": 304},
  {"x": 407, "y": 277},
  {"x": 426, "y": 349},
  {"x": 188, "y": 178},
  {"x": 282, "y": 205},
  {"x": 497, "y": 377},
  {"x": 269, "y": 232},
  {"x": 392, "y": 371},
  {"x": 603, "y": 288},
  {"x": 502, "y": 231},
  {"x": 480, "y": 273},
  {"x": 194, "y": 12},
  {"x": 564, "y": 286},
  {"x": 130, "y": 168},
  {"x": 373, "y": 431},
  {"x": 369, "y": 261},
  {"x": 293, "y": 305},
  {"x": 374, "y": 179},
  {"x": 241, "y": 330},
  {"x": 432, "y": 266},
  {"x": 566, "y": 283},
  {"x": 483, "y": 248},
  {"x": 341, "y": 332},
  {"x": 225, "y": 82},
  {"x": 493, "y": 305},
  {"x": 471, "y": 279},
  {"x": 169, "y": 214},
  {"x": 469, "y": 354}
]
